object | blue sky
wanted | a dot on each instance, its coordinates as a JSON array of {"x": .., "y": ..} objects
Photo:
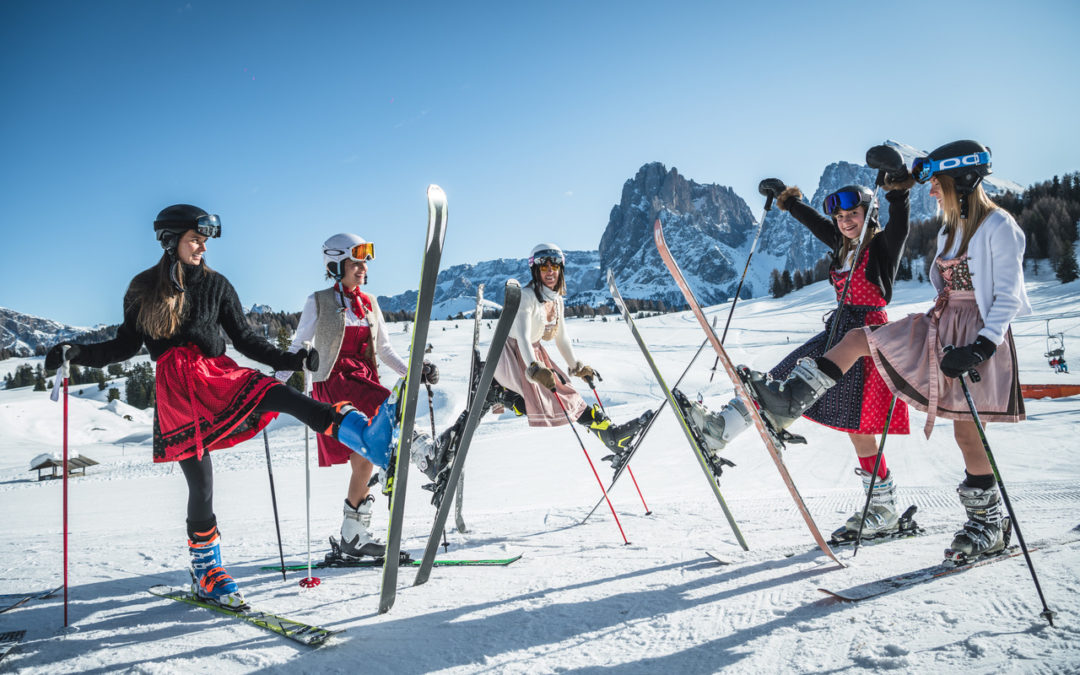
[{"x": 297, "y": 120}]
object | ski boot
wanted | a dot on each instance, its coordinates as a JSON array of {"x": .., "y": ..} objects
[
  {"x": 881, "y": 517},
  {"x": 717, "y": 429},
  {"x": 784, "y": 402},
  {"x": 209, "y": 580},
  {"x": 356, "y": 539},
  {"x": 424, "y": 453},
  {"x": 987, "y": 530},
  {"x": 616, "y": 437}
]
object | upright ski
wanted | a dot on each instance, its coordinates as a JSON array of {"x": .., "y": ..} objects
[
  {"x": 704, "y": 460},
  {"x": 478, "y": 315},
  {"x": 772, "y": 441},
  {"x": 511, "y": 300},
  {"x": 429, "y": 272},
  {"x": 297, "y": 631}
]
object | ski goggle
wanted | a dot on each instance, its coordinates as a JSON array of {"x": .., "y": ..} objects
[
  {"x": 361, "y": 252},
  {"x": 924, "y": 167},
  {"x": 207, "y": 226},
  {"x": 547, "y": 262},
  {"x": 844, "y": 199},
  {"x": 549, "y": 257}
]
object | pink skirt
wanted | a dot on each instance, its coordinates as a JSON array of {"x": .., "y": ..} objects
[
  {"x": 907, "y": 353},
  {"x": 542, "y": 410}
]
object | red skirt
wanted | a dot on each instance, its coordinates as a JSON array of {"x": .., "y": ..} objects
[
  {"x": 205, "y": 404},
  {"x": 353, "y": 379}
]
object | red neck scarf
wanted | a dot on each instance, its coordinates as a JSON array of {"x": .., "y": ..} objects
[{"x": 361, "y": 305}]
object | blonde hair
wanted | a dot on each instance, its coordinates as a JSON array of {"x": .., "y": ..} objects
[{"x": 979, "y": 207}]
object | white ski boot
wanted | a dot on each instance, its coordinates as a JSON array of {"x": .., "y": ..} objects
[
  {"x": 356, "y": 539},
  {"x": 719, "y": 428},
  {"x": 987, "y": 530},
  {"x": 881, "y": 517}
]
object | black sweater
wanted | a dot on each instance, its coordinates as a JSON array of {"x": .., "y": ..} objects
[
  {"x": 211, "y": 304},
  {"x": 885, "y": 247}
]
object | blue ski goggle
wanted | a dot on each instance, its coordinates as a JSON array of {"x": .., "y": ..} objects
[
  {"x": 844, "y": 199},
  {"x": 924, "y": 167}
]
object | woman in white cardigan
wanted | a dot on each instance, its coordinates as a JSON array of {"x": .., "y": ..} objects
[
  {"x": 347, "y": 327},
  {"x": 527, "y": 369},
  {"x": 978, "y": 273}
]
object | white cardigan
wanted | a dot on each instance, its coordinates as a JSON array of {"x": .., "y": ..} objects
[
  {"x": 529, "y": 327},
  {"x": 996, "y": 261}
]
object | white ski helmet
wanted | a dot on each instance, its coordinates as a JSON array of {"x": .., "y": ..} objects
[
  {"x": 345, "y": 246},
  {"x": 546, "y": 250}
]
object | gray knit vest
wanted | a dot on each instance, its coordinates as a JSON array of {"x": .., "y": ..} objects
[{"x": 330, "y": 329}]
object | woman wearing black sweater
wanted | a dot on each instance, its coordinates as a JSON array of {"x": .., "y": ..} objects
[
  {"x": 859, "y": 405},
  {"x": 204, "y": 400}
]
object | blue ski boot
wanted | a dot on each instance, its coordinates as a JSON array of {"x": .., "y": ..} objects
[
  {"x": 369, "y": 438},
  {"x": 209, "y": 579}
]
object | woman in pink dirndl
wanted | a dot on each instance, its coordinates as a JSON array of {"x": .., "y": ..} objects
[{"x": 979, "y": 277}]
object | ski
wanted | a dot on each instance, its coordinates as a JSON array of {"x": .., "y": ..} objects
[
  {"x": 773, "y": 442},
  {"x": 511, "y": 300},
  {"x": 9, "y": 639},
  {"x": 706, "y": 462},
  {"x": 22, "y": 598},
  {"x": 405, "y": 562},
  {"x": 399, "y": 464},
  {"x": 478, "y": 314},
  {"x": 297, "y": 631},
  {"x": 873, "y": 589}
]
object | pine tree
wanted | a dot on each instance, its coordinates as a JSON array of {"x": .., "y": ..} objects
[{"x": 1067, "y": 270}]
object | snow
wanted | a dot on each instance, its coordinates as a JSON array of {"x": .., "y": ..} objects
[{"x": 579, "y": 599}]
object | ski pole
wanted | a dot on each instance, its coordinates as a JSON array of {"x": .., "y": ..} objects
[
  {"x": 431, "y": 413},
  {"x": 273, "y": 500},
  {"x": 768, "y": 193},
  {"x": 67, "y": 375},
  {"x": 592, "y": 385},
  {"x": 589, "y": 459},
  {"x": 975, "y": 377},
  {"x": 873, "y": 476},
  {"x": 310, "y": 581}
]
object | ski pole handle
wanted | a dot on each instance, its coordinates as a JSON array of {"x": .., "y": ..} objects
[
  {"x": 66, "y": 364},
  {"x": 308, "y": 345}
]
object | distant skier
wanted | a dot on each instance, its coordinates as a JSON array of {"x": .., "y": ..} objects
[
  {"x": 347, "y": 328},
  {"x": 526, "y": 377},
  {"x": 860, "y": 404},
  {"x": 204, "y": 400},
  {"x": 979, "y": 276}
]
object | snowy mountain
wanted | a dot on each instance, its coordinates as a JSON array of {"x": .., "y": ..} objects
[{"x": 23, "y": 334}]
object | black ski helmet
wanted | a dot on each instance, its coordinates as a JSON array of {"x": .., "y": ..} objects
[
  {"x": 966, "y": 162},
  {"x": 173, "y": 221},
  {"x": 847, "y": 198}
]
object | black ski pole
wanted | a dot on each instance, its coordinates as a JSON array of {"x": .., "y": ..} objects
[
  {"x": 570, "y": 422},
  {"x": 434, "y": 437},
  {"x": 975, "y": 377},
  {"x": 768, "y": 194},
  {"x": 273, "y": 500},
  {"x": 592, "y": 385},
  {"x": 873, "y": 476}
]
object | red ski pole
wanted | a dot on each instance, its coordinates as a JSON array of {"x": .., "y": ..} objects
[
  {"x": 591, "y": 465},
  {"x": 592, "y": 386}
]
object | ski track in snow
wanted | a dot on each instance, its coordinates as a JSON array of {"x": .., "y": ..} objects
[{"x": 579, "y": 600}]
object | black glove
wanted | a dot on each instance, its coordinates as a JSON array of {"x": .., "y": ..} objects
[
  {"x": 771, "y": 187},
  {"x": 960, "y": 360},
  {"x": 55, "y": 358},
  {"x": 305, "y": 359},
  {"x": 430, "y": 373},
  {"x": 886, "y": 158}
]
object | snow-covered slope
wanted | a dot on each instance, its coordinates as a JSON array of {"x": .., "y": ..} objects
[{"x": 579, "y": 600}]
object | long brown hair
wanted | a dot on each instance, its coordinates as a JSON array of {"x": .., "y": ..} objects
[
  {"x": 850, "y": 245},
  {"x": 161, "y": 304},
  {"x": 538, "y": 283},
  {"x": 979, "y": 207}
]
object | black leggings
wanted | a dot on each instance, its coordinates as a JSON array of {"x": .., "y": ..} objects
[{"x": 200, "y": 473}]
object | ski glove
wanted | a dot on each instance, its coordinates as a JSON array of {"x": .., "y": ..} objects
[
  {"x": 430, "y": 373},
  {"x": 541, "y": 375},
  {"x": 771, "y": 186},
  {"x": 962, "y": 359},
  {"x": 55, "y": 358},
  {"x": 306, "y": 359},
  {"x": 584, "y": 372}
]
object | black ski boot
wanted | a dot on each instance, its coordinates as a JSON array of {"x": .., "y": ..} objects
[
  {"x": 784, "y": 402},
  {"x": 987, "y": 530},
  {"x": 616, "y": 437}
]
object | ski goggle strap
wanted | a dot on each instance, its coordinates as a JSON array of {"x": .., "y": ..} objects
[
  {"x": 365, "y": 252},
  {"x": 548, "y": 256},
  {"x": 843, "y": 199},
  {"x": 924, "y": 167}
]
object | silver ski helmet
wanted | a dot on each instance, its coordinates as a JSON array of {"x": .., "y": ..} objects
[
  {"x": 345, "y": 246},
  {"x": 173, "y": 221}
]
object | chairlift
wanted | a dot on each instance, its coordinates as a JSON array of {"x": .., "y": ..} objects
[{"x": 1055, "y": 350}]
